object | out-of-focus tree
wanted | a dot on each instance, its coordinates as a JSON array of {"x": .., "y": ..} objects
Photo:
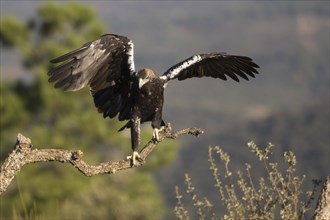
[{"x": 56, "y": 119}]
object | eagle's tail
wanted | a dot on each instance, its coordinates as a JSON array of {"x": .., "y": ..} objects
[{"x": 129, "y": 125}]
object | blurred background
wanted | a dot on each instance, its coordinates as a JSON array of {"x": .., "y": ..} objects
[{"x": 287, "y": 104}]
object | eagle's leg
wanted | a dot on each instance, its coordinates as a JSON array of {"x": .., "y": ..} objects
[{"x": 135, "y": 140}]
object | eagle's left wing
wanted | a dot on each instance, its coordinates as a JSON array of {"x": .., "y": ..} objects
[{"x": 216, "y": 65}]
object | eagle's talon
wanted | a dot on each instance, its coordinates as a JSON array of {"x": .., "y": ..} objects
[
  {"x": 133, "y": 158},
  {"x": 155, "y": 133}
]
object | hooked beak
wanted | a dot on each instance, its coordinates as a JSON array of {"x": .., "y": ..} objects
[{"x": 142, "y": 82}]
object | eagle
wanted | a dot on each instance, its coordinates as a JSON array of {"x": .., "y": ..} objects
[{"x": 106, "y": 65}]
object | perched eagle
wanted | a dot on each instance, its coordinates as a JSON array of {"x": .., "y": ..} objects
[{"x": 106, "y": 65}]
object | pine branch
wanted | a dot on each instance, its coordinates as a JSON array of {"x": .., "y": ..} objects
[{"x": 24, "y": 153}]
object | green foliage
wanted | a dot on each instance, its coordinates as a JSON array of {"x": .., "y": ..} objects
[
  {"x": 279, "y": 195},
  {"x": 54, "y": 17},
  {"x": 52, "y": 118},
  {"x": 13, "y": 32}
]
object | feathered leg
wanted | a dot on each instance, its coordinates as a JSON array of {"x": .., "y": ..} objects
[
  {"x": 135, "y": 139},
  {"x": 157, "y": 124}
]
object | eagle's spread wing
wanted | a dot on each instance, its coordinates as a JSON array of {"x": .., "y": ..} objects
[
  {"x": 216, "y": 65},
  {"x": 106, "y": 65}
]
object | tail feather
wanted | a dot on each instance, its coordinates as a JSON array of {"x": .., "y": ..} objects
[{"x": 129, "y": 125}]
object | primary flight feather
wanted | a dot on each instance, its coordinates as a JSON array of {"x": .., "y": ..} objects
[{"x": 106, "y": 65}]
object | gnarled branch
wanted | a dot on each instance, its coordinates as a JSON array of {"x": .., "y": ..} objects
[{"x": 24, "y": 153}]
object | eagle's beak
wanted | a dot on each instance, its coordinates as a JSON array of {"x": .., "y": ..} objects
[{"x": 142, "y": 82}]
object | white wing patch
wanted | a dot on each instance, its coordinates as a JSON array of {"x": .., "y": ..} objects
[
  {"x": 174, "y": 72},
  {"x": 130, "y": 53}
]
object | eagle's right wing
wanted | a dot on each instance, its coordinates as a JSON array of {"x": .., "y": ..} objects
[{"x": 106, "y": 65}]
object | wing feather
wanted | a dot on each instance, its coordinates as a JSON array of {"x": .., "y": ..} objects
[
  {"x": 78, "y": 53},
  {"x": 247, "y": 67},
  {"x": 61, "y": 72},
  {"x": 216, "y": 65}
]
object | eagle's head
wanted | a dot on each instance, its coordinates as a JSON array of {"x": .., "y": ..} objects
[{"x": 145, "y": 75}]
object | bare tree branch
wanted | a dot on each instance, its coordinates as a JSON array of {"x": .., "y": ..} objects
[{"x": 24, "y": 153}]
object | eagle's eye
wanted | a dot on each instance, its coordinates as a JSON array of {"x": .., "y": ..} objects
[{"x": 143, "y": 74}]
